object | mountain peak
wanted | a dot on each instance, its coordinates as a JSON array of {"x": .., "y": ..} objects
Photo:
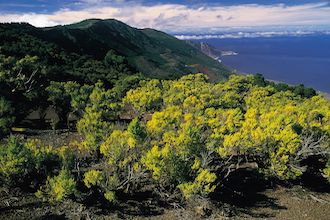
[{"x": 85, "y": 24}]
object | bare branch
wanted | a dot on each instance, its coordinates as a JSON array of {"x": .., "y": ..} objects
[{"x": 311, "y": 146}]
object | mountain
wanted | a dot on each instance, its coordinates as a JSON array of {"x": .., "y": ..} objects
[
  {"x": 67, "y": 48},
  {"x": 206, "y": 48}
]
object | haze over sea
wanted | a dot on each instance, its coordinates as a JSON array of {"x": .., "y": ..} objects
[{"x": 293, "y": 58}]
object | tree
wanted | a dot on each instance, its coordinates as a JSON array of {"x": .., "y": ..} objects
[
  {"x": 60, "y": 99},
  {"x": 20, "y": 82},
  {"x": 116, "y": 64},
  {"x": 6, "y": 117},
  {"x": 68, "y": 97}
]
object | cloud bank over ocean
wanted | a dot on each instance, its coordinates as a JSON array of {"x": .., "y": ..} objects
[{"x": 238, "y": 35}]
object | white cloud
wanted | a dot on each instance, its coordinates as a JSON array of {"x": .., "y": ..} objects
[
  {"x": 39, "y": 20},
  {"x": 180, "y": 18},
  {"x": 240, "y": 34}
]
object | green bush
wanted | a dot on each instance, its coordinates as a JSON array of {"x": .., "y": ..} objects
[
  {"x": 16, "y": 161},
  {"x": 95, "y": 124},
  {"x": 93, "y": 178},
  {"x": 26, "y": 160},
  {"x": 45, "y": 158},
  {"x": 58, "y": 187}
]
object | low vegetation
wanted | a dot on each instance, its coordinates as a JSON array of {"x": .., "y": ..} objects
[{"x": 185, "y": 138}]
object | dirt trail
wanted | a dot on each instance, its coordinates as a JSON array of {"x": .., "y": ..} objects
[{"x": 294, "y": 204}]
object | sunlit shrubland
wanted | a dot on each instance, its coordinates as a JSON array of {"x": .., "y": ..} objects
[
  {"x": 190, "y": 135},
  {"x": 235, "y": 122},
  {"x": 186, "y": 137}
]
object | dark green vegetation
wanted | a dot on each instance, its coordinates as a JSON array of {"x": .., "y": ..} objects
[
  {"x": 80, "y": 46},
  {"x": 170, "y": 139}
]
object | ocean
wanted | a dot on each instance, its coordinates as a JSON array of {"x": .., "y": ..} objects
[{"x": 290, "y": 59}]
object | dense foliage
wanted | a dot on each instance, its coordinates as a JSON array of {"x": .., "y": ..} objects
[
  {"x": 185, "y": 137},
  {"x": 200, "y": 132}
]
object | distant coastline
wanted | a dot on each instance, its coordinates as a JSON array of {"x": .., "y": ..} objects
[
  {"x": 325, "y": 94},
  {"x": 293, "y": 60},
  {"x": 280, "y": 60}
]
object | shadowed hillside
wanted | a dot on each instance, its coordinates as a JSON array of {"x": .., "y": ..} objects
[{"x": 154, "y": 53}]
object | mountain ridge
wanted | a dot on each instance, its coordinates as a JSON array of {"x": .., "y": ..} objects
[{"x": 152, "y": 52}]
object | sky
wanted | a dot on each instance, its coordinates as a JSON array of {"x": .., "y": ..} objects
[{"x": 187, "y": 16}]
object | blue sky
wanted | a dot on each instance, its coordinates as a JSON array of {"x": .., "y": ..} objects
[
  {"x": 185, "y": 16},
  {"x": 41, "y": 6}
]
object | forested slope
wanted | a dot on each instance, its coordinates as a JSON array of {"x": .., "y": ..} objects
[{"x": 151, "y": 52}]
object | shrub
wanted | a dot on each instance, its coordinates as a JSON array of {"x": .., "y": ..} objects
[
  {"x": 57, "y": 188},
  {"x": 198, "y": 135},
  {"x": 202, "y": 127},
  {"x": 68, "y": 155},
  {"x": 45, "y": 157},
  {"x": 203, "y": 184},
  {"x": 116, "y": 148},
  {"x": 93, "y": 178},
  {"x": 16, "y": 161},
  {"x": 137, "y": 130},
  {"x": 30, "y": 160},
  {"x": 146, "y": 97},
  {"x": 96, "y": 123},
  {"x": 110, "y": 196}
]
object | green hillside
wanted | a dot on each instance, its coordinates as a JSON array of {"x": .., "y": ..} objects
[{"x": 154, "y": 53}]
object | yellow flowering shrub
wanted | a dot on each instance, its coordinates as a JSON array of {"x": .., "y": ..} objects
[
  {"x": 146, "y": 97},
  {"x": 58, "y": 187},
  {"x": 203, "y": 184},
  {"x": 110, "y": 196},
  {"x": 93, "y": 178},
  {"x": 117, "y": 146}
]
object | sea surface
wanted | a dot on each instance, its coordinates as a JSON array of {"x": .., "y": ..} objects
[{"x": 289, "y": 59}]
